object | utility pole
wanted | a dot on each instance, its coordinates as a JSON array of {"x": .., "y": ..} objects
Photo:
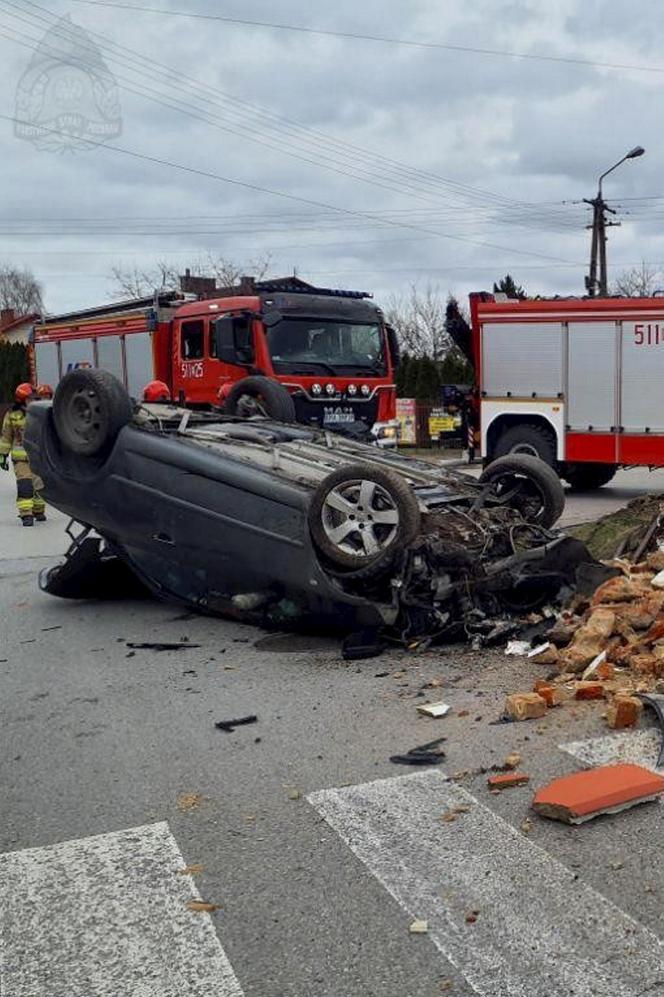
[{"x": 595, "y": 287}]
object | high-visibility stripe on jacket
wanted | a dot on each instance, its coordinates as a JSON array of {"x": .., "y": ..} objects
[{"x": 11, "y": 439}]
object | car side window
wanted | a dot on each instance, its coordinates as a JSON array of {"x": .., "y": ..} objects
[{"x": 191, "y": 340}]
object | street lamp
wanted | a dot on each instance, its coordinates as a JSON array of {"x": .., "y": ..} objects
[
  {"x": 599, "y": 226},
  {"x": 634, "y": 153}
]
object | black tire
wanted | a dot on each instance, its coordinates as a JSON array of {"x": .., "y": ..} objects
[
  {"x": 527, "y": 439},
  {"x": 269, "y": 397},
  {"x": 587, "y": 477},
  {"x": 90, "y": 408},
  {"x": 528, "y": 485},
  {"x": 335, "y": 505}
]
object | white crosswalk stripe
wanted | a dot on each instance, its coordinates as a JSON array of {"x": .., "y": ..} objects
[
  {"x": 107, "y": 916},
  {"x": 638, "y": 747},
  {"x": 540, "y": 931}
]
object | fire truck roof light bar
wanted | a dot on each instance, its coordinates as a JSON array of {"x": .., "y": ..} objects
[{"x": 266, "y": 288}]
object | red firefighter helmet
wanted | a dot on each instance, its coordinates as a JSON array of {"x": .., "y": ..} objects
[
  {"x": 24, "y": 392},
  {"x": 156, "y": 391},
  {"x": 44, "y": 391}
]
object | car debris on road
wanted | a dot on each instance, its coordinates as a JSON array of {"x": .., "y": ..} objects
[
  {"x": 423, "y": 754},
  {"x": 228, "y": 726}
]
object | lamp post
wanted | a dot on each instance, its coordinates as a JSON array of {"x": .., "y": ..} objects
[{"x": 599, "y": 227}]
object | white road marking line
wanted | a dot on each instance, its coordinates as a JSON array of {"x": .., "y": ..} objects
[
  {"x": 107, "y": 916},
  {"x": 638, "y": 747},
  {"x": 539, "y": 932}
]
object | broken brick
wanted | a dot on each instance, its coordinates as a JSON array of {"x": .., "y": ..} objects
[
  {"x": 656, "y": 632},
  {"x": 507, "y": 780},
  {"x": 590, "y": 639},
  {"x": 525, "y": 706},
  {"x": 647, "y": 665},
  {"x": 605, "y": 671},
  {"x": 618, "y": 589},
  {"x": 608, "y": 789},
  {"x": 589, "y": 690},
  {"x": 639, "y": 615},
  {"x": 624, "y": 712},
  {"x": 549, "y": 655},
  {"x": 655, "y": 561},
  {"x": 561, "y": 634},
  {"x": 553, "y": 695}
]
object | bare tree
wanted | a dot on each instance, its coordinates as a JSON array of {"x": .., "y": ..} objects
[
  {"x": 418, "y": 318},
  {"x": 20, "y": 290},
  {"x": 134, "y": 282},
  {"x": 639, "y": 282}
]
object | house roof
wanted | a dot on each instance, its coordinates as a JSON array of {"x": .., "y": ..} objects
[{"x": 15, "y": 323}]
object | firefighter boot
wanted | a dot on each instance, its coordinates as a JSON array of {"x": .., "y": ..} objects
[
  {"x": 28, "y": 520},
  {"x": 38, "y": 504}
]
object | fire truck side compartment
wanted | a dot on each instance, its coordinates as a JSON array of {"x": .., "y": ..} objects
[
  {"x": 642, "y": 374},
  {"x": 591, "y": 379},
  {"x": 524, "y": 359}
]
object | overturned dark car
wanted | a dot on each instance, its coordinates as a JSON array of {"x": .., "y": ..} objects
[{"x": 286, "y": 525}]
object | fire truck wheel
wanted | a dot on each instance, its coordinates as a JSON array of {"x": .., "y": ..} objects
[
  {"x": 360, "y": 516},
  {"x": 587, "y": 477},
  {"x": 260, "y": 396},
  {"x": 528, "y": 439},
  {"x": 90, "y": 408},
  {"x": 528, "y": 485}
]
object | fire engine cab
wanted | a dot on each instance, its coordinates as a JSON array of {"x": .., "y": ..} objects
[
  {"x": 283, "y": 348},
  {"x": 576, "y": 382}
]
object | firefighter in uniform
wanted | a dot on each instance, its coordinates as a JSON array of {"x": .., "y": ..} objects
[{"x": 29, "y": 502}]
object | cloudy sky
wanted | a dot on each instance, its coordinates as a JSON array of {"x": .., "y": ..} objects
[{"x": 362, "y": 163}]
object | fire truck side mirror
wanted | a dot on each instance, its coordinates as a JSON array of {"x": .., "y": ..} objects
[
  {"x": 233, "y": 339},
  {"x": 393, "y": 344}
]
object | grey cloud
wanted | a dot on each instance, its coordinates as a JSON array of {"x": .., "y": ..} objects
[{"x": 530, "y": 131}]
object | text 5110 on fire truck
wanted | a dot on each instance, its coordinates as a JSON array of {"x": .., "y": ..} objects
[
  {"x": 577, "y": 382},
  {"x": 293, "y": 351}
]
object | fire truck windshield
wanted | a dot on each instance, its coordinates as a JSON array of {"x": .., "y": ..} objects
[{"x": 312, "y": 346}]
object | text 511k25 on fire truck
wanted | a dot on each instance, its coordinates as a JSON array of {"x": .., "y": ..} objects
[{"x": 293, "y": 351}]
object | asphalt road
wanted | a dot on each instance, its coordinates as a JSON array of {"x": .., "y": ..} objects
[{"x": 113, "y": 776}]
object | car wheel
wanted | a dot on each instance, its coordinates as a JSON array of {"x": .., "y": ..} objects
[
  {"x": 260, "y": 396},
  {"x": 360, "y": 516},
  {"x": 529, "y": 440},
  {"x": 587, "y": 477},
  {"x": 90, "y": 408},
  {"x": 528, "y": 485}
]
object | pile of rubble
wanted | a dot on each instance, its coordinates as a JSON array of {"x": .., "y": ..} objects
[{"x": 608, "y": 645}]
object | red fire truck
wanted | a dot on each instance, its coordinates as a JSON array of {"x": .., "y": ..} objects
[
  {"x": 297, "y": 352},
  {"x": 575, "y": 381}
]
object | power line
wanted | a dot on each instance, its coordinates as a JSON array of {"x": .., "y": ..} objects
[
  {"x": 233, "y": 225},
  {"x": 247, "y": 132},
  {"x": 256, "y": 188},
  {"x": 398, "y": 172},
  {"x": 357, "y": 36},
  {"x": 268, "y": 119}
]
